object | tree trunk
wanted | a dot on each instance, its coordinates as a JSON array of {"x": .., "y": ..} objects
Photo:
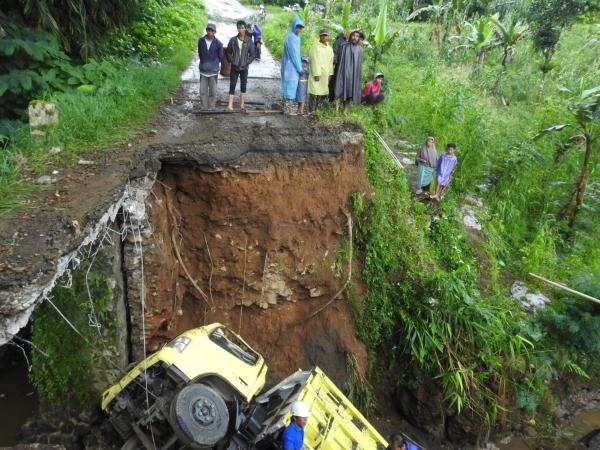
[
  {"x": 498, "y": 83},
  {"x": 542, "y": 84},
  {"x": 480, "y": 58},
  {"x": 545, "y": 70},
  {"x": 437, "y": 35},
  {"x": 582, "y": 183},
  {"x": 573, "y": 206}
]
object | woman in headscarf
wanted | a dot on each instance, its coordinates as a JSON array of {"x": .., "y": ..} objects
[
  {"x": 426, "y": 162},
  {"x": 291, "y": 66}
]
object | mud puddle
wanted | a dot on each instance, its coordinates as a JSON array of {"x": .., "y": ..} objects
[
  {"x": 18, "y": 401},
  {"x": 582, "y": 425}
]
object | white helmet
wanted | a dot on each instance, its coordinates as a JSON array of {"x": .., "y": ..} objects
[{"x": 299, "y": 409}]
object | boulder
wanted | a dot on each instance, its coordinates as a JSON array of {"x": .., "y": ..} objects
[
  {"x": 43, "y": 118},
  {"x": 422, "y": 406}
]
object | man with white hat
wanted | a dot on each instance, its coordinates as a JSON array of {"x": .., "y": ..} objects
[{"x": 293, "y": 435}]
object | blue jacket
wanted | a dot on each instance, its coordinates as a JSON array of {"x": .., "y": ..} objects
[
  {"x": 293, "y": 437},
  {"x": 291, "y": 66},
  {"x": 210, "y": 58}
]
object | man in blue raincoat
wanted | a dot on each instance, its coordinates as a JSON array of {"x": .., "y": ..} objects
[{"x": 291, "y": 66}]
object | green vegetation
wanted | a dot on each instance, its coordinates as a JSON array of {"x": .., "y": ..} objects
[
  {"x": 64, "y": 374},
  {"x": 437, "y": 299},
  {"x": 100, "y": 102}
]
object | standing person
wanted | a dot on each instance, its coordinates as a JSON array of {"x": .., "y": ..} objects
[
  {"x": 257, "y": 35},
  {"x": 444, "y": 168},
  {"x": 302, "y": 85},
  {"x": 398, "y": 442},
  {"x": 291, "y": 66},
  {"x": 371, "y": 93},
  {"x": 293, "y": 435},
  {"x": 340, "y": 40},
  {"x": 240, "y": 53},
  {"x": 210, "y": 51},
  {"x": 426, "y": 162},
  {"x": 321, "y": 71},
  {"x": 349, "y": 77}
]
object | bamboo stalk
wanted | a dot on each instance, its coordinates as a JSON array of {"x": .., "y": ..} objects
[
  {"x": 389, "y": 150},
  {"x": 565, "y": 288}
]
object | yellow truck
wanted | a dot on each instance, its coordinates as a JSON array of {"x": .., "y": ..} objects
[{"x": 203, "y": 390}]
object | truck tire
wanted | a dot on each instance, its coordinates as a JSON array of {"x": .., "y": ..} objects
[{"x": 199, "y": 416}]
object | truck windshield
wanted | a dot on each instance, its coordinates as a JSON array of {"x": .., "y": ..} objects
[{"x": 228, "y": 341}]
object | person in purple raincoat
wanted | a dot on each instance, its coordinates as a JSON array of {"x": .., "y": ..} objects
[{"x": 444, "y": 168}]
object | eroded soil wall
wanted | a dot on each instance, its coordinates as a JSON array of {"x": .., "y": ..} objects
[{"x": 261, "y": 241}]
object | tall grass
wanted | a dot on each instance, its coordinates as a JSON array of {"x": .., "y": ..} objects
[
  {"x": 426, "y": 305},
  {"x": 116, "y": 111}
]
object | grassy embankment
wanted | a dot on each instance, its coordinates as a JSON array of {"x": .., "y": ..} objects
[
  {"x": 437, "y": 303},
  {"x": 139, "y": 67}
]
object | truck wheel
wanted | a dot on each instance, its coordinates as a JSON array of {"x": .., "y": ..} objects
[{"x": 199, "y": 416}]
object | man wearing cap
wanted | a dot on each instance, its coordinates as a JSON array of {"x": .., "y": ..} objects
[
  {"x": 321, "y": 70},
  {"x": 371, "y": 93},
  {"x": 291, "y": 66},
  {"x": 210, "y": 51},
  {"x": 293, "y": 435}
]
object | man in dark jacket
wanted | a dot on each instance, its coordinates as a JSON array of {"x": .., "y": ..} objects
[
  {"x": 337, "y": 50},
  {"x": 210, "y": 51},
  {"x": 240, "y": 53},
  {"x": 349, "y": 76}
]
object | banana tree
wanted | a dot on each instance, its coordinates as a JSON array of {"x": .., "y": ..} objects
[
  {"x": 509, "y": 33},
  {"x": 346, "y": 15},
  {"x": 548, "y": 19},
  {"x": 381, "y": 38},
  {"x": 440, "y": 12},
  {"x": 584, "y": 114},
  {"x": 479, "y": 38}
]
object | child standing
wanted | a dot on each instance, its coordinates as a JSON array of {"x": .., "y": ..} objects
[
  {"x": 302, "y": 85},
  {"x": 444, "y": 168}
]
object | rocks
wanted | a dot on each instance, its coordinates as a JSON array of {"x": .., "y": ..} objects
[
  {"x": 54, "y": 151},
  {"x": 463, "y": 428},
  {"x": 469, "y": 219},
  {"x": 43, "y": 118},
  {"x": 314, "y": 292},
  {"x": 422, "y": 406},
  {"x": 404, "y": 146},
  {"x": 528, "y": 300},
  {"x": 274, "y": 287},
  {"x": 46, "y": 179}
]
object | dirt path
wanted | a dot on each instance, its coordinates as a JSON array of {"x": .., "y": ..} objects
[{"x": 39, "y": 241}]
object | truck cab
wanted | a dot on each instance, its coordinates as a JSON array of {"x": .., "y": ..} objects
[{"x": 193, "y": 386}]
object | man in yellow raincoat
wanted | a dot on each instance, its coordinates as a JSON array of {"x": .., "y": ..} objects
[{"x": 321, "y": 69}]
